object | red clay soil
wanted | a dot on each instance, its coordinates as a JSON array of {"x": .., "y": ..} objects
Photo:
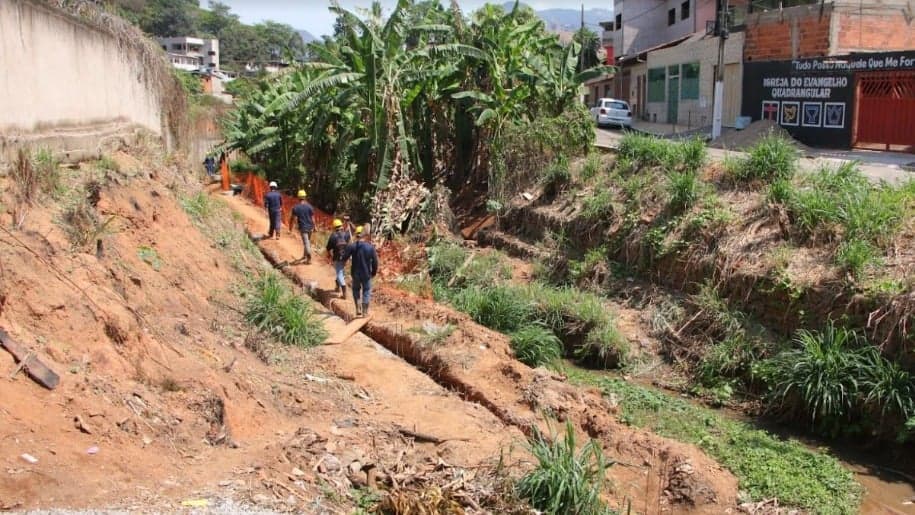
[
  {"x": 158, "y": 372},
  {"x": 655, "y": 473}
]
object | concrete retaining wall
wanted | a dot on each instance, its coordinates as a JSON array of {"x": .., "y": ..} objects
[{"x": 72, "y": 86}]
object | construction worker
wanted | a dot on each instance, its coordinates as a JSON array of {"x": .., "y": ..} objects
[
  {"x": 210, "y": 164},
  {"x": 336, "y": 245},
  {"x": 304, "y": 214},
  {"x": 364, "y": 268},
  {"x": 273, "y": 202}
]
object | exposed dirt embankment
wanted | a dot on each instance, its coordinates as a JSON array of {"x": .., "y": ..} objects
[
  {"x": 749, "y": 259},
  {"x": 478, "y": 364},
  {"x": 168, "y": 395}
]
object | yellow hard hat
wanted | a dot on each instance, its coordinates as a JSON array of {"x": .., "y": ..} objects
[
  {"x": 359, "y": 230},
  {"x": 338, "y": 223},
  {"x": 302, "y": 194}
]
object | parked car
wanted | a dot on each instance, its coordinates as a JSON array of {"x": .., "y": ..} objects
[{"x": 610, "y": 111}]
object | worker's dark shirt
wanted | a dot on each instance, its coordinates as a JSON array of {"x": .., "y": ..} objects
[
  {"x": 365, "y": 259},
  {"x": 337, "y": 243},
  {"x": 273, "y": 201},
  {"x": 305, "y": 215}
]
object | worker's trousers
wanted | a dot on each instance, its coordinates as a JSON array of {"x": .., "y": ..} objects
[
  {"x": 338, "y": 268},
  {"x": 275, "y": 223},
  {"x": 306, "y": 241},
  {"x": 362, "y": 285}
]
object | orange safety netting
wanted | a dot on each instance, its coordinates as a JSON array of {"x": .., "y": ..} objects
[{"x": 256, "y": 187}]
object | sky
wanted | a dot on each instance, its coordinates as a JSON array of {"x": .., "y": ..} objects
[{"x": 313, "y": 16}]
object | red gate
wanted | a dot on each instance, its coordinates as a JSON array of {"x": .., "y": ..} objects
[{"x": 885, "y": 109}]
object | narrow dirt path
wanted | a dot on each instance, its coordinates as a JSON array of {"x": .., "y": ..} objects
[{"x": 654, "y": 473}]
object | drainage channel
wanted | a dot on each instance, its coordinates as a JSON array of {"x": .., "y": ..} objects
[{"x": 400, "y": 343}]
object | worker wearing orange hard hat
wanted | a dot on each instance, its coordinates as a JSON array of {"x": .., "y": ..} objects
[
  {"x": 336, "y": 245},
  {"x": 304, "y": 214}
]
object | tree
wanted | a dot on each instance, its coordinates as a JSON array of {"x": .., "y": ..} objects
[{"x": 590, "y": 45}]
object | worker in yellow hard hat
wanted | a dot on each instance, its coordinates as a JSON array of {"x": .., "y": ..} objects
[
  {"x": 336, "y": 245},
  {"x": 364, "y": 268},
  {"x": 304, "y": 214}
]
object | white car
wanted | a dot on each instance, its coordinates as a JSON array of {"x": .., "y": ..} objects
[{"x": 610, "y": 111}]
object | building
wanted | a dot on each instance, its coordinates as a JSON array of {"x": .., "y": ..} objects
[
  {"x": 192, "y": 54},
  {"x": 834, "y": 73},
  {"x": 667, "y": 55}
]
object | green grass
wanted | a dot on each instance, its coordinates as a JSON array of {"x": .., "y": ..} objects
[
  {"x": 765, "y": 466},
  {"x": 105, "y": 163},
  {"x": 556, "y": 176},
  {"x": 773, "y": 158},
  {"x": 591, "y": 167},
  {"x": 840, "y": 384},
  {"x": 641, "y": 151},
  {"x": 149, "y": 256},
  {"x": 684, "y": 189},
  {"x": 536, "y": 345},
  {"x": 445, "y": 258},
  {"x": 199, "y": 206},
  {"x": 567, "y": 480},
  {"x": 276, "y": 310}
]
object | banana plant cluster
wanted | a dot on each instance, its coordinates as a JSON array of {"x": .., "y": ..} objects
[{"x": 425, "y": 91}]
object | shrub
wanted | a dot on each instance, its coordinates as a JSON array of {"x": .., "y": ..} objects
[
  {"x": 854, "y": 256},
  {"x": 444, "y": 259},
  {"x": 818, "y": 377},
  {"x": 566, "y": 480},
  {"x": 889, "y": 392},
  {"x": 684, "y": 188},
  {"x": 535, "y": 345},
  {"x": 604, "y": 346},
  {"x": 502, "y": 308},
  {"x": 556, "y": 176},
  {"x": 771, "y": 159},
  {"x": 598, "y": 206},
  {"x": 275, "y": 310},
  {"x": 693, "y": 154},
  {"x": 591, "y": 167}
]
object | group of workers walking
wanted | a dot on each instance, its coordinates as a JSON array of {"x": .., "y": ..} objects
[{"x": 340, "y": 247}]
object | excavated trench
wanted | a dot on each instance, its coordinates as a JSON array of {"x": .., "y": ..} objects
[{"x": 652, "y": 468}]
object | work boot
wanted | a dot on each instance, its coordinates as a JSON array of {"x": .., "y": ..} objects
[
  {"x": 343, "y": 292},
  {"x": 358, "y": 311},
  {"x": 365, "y": 309}
]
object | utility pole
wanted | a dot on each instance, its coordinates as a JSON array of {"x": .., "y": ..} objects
[
  {"x": 722, "y": 29},
  {"x": 581, "y": 50}
]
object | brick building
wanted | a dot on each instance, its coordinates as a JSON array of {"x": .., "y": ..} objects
[{"x": 839, "y": 73}]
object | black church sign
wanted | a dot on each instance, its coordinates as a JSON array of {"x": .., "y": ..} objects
[{"x": 813, "y": 99}]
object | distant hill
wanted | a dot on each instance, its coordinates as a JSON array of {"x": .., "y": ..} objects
[
  {"x": 569, "y": 20},
  {"x": 307, "y": 37}
]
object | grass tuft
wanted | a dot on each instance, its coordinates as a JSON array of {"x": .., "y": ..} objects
[
  {"x": 773, "y": 158},
  {"x": 566, "y": 480},
  {"x": 275, "y": 310},
  {"x": 536, "y": 345}
]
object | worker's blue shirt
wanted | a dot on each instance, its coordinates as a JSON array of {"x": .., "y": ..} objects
[
  {"x": 305, "y": 215},
  {"x": 273, "y": 201},
  {"x": 365, "y": 259}
]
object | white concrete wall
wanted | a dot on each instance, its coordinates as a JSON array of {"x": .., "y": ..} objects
[
  {"x": 60, "y": 75},
  {"x": 703, "y": 50}
]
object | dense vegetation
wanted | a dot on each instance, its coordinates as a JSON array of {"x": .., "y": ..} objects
[
  {"x": 239, "y": 44},
  {"x": 393, "y": 108}
]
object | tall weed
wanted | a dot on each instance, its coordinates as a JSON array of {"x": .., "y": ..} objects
[
  {"x": 773, "y": 158},
  {"x": 566, "y": 479},
  {"x": 536, "y": 345},
  {"x": 275, "y": 310}
]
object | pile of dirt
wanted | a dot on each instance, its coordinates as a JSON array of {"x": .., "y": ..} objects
[{"x": 750, "y": 136}]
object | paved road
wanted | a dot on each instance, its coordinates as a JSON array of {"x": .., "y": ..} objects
[{"x": 877, "y": 166}]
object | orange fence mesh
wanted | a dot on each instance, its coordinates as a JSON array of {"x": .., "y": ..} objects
[{"x": 255, "y": 188}]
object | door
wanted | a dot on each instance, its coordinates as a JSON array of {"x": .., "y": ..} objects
[
  {"x": 733, "y": 79},
  {"x": 673, "y": 99},
  {"x": 885, "y": 108}
]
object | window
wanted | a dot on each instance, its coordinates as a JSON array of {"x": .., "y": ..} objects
[
  {"x": 689, "y": 82},
  {"x": 671, "y": 16},
  {"x": 211, "y": 52},
  {"x": 617, "y": 105},
  {"x": 656, "y": 81},
  {"x": 619, "y": 21},
  {"x": 684, "y": 10}
]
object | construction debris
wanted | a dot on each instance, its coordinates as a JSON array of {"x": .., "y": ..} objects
[{"x": 34, "y": 367}]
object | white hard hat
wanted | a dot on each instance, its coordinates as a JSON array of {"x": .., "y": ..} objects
[{"x": 273, "y": 184}]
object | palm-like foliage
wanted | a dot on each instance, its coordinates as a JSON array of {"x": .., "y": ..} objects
[{"x": 419, "y": 95}]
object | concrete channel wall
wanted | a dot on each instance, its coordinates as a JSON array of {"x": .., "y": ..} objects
[{"x": 73, "y": 84}]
